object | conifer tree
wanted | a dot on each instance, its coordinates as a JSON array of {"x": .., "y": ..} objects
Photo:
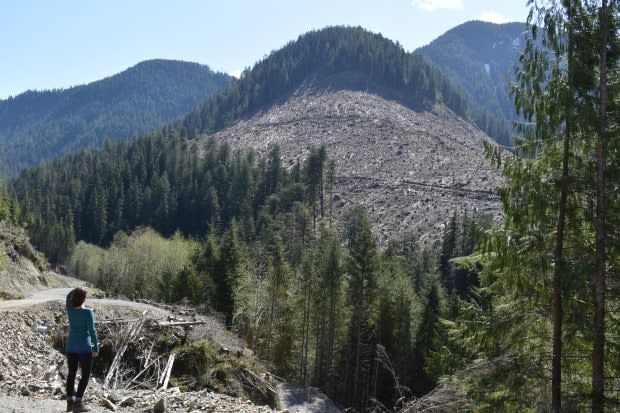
[
  {"x": 362, "y": 270},
  {"x": 327, "y": 307}
]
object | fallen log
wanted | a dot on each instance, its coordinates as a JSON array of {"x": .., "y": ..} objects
[{"x": 179, "y": 323}]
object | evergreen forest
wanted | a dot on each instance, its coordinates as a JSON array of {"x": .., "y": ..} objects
[
  {"x": 462, "y": 52},
  {"x": 40, "y": 125}
]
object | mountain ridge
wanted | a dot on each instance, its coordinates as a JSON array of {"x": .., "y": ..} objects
[
  {"x": 330, "y": 50},
  {"x": 479, "y": 58},
  {"x": 400, "y": 154},
  {"x": 40, "y": 125}
]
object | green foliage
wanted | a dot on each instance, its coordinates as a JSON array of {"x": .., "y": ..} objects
[
  {"x": 362, "y": 270},
  {"x": 137, "y": 265},
  {"x": 328, "y": 308},
  {"x": 9, "y": 208},
  {"x": 42, "y": 125},
  {"x": 537, "y": 253}
]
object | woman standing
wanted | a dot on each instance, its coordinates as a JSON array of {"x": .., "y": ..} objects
[{"x": 81, "y": 347}]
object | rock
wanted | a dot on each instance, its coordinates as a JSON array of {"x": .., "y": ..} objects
[
  {"x": 129, "y": 401},
  {"x": 160, "y": 406},
  {"x": 51, "y": 374},
  {"x": 25, "y": 391}
]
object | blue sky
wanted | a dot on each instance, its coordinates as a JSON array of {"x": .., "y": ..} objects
[{"x": 49, "y": 44}]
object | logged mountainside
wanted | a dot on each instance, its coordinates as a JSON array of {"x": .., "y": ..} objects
[
  {"x": 269, "y": 190},
  {"x": 41, "y": 125},
  {"x": 396, "y": 128},
  {"x": 479, "y": 57},
  {"x": 409, "y": 169}
]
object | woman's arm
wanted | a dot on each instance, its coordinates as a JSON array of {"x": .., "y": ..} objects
[{"x": 92, "y": 331}]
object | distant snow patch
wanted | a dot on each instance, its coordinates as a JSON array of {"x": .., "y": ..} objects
[{"x": 487, "y": 68}]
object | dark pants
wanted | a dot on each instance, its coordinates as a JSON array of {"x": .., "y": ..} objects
[{"x": 86, "y": 363}]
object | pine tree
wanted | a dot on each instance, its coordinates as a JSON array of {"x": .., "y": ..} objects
[
  {"x": 547, "y": 199},
  {"x": 423, "y": 380},
  {"x": 327, "y": 307},
  {"x": 362, "y": 269},
  {"x": 228, "y": 271}
]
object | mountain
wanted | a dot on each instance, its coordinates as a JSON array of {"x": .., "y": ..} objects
[
  {"x": 374, "y": 63},
  {"x": 41, "y": 125},
  {"x": 395, "y": 128},
  {"x": 479, "y": 57}
]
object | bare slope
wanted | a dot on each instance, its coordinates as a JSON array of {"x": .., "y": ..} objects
[
  {"x": 22, "y": 268},
  {"x": 409, "y": 169}
]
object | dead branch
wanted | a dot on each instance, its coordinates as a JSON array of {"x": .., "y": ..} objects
[
  {"x": 167, "y": 371},
  {"x": 113, "y": 373}
]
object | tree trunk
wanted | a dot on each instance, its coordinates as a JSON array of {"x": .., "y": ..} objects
[
  {"x": 598, "y": 347},
  {"x": 556, "y": 369},
  {"x": 558, "y": 254}
]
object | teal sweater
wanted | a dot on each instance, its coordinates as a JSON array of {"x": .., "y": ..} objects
[{"x": 82, "y": 334}]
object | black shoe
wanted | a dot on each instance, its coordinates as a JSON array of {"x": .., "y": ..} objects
[
  {"x": 79, "y": 407},
  {"x": 69, "y": 405}
]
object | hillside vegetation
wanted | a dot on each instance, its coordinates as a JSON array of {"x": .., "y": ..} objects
[
  {"x": 480, "y": 58},
  {"x": 518, "y": 317},
  {"x": 41, "y": 125}
]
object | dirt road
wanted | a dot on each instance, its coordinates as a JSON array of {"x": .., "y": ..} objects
[{"x": 60, "y": 294}]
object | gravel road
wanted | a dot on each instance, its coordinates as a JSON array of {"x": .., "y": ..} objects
[{"x": 60, "y": 294}]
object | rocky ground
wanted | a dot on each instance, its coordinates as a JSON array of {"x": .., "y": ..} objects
[
  {"x": 32, "y": 371},
  {"x": 409, "y": 169}
]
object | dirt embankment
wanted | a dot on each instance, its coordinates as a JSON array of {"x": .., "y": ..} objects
[{"x": 23, "y": 270}]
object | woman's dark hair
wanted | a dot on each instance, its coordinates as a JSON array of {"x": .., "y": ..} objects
[{"x": 78, "y": 296}]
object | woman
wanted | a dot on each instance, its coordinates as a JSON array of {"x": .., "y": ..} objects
[{"x": 81, "y": 347}]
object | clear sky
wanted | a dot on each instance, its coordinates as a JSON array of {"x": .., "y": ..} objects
[{"x": 47, "y": 44}]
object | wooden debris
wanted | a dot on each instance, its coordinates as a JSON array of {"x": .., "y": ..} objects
[
  {"x": 167, "y": 371},
  {"x": 179, "y": 323},
  {"x": 108, "y": 404},
  {"x": 133, "y": 330}
]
